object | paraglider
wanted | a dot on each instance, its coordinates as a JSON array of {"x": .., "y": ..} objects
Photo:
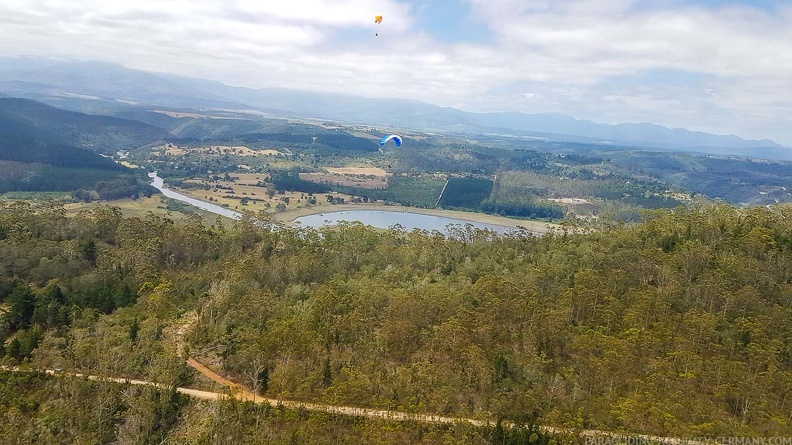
[
  {"x": 391, "y": 137},
  {"x": 377, "y": 20}
]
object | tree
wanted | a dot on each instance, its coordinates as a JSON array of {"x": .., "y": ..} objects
[
  {"x": 15, "y": 350},
  {"x": 256, "y": 371},
  {"x": 89, "y": 251},
  {"x": 263, "y": 379},
  {"x": 327, "y": 373},
  {"x": 23, "y": 306},
  {"x": 133, "y": 331}
]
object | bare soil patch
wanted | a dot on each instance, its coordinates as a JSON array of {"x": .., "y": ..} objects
[{"x": 570, "y": 200}]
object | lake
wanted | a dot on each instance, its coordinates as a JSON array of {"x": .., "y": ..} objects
[
  {"x": 385, "y": 219},
  {"x": 376, "y": 218}
]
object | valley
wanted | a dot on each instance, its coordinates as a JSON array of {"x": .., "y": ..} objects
[{"x": 645, "y": 293}]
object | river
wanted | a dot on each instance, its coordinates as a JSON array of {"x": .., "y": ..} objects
[
  {"x": 376, "y": 218},
  {"x": 159, "y": 184}
]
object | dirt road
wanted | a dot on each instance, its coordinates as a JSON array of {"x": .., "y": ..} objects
[{"x": 242, "y": 393}]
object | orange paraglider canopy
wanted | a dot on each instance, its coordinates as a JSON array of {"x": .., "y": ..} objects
[{"x": 377, "y": 19}]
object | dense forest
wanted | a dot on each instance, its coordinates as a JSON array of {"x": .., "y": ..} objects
[
  {"x": 680, "y": 325},
  {"x": 103, "y": 134},
  {"x": 53, "y": 159}
]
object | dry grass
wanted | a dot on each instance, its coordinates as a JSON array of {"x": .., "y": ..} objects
[
  {"x": 363, "y": 177},
  {"x": 128, "y": 164},
  {"x": 570, "y": 200},
  {"x": 368, "y": 182},
  {"x": 243, "y": 186},
  {"x": 359, "y": 171},
  {"x": 216, "y": 150},
  {"x": 134, "y": 207},
  {"x": 270, "y": 152},
  {"x": 178, "y": 115}
]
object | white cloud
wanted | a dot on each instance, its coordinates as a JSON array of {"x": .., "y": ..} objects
[{"x": 569, "y": 54}]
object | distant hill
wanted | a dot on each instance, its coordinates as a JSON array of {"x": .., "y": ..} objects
[
  {"x": 422, "y": 116},
  {"x": 99, "y": 133},
  {"x": 33, "y": 157},
  {"x": 97, "y": 81},
  {"x": 106, "y": 88}
]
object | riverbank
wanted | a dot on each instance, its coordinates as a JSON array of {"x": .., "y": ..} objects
[{"x": 140, "y": 208}]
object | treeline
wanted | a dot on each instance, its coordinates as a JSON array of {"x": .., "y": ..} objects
[
  {"x": 404, "y": 190},
  {"x": 524, "y": 194},
  {"x": 99, "y": 184},
  {"x": 679, "y": 326},
  {"x": 516, "y": 194},
  {"x": 529, "y": 209},
  {"x": 116, "y": 188},
  {"x": 290, "y": 180},
  {"x": 42, "y": 409},
  {"x": 30, "y": 162},
  {"x": 55, "y": 155},
  {"x": 466, "y": 193}
]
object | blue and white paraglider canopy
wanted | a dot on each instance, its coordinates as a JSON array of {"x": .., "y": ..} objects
[{"x": 396, "y": 138}]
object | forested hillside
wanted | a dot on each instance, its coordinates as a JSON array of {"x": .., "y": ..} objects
[
  {"x": 104, "y": 134},
  {"x": 33, "y": 158},
  {"x": 679, "y": 326}
]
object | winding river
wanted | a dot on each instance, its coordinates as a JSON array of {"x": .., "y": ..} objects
[{"x": 159, "y": 184}]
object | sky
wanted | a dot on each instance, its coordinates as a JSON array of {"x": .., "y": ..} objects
[{"x": 718, "y": 66}]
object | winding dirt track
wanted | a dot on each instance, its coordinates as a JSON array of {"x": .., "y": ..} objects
[{"x": 242, "y": 393}]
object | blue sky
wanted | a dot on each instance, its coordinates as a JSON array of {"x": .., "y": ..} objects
[
  {"x": 450, "y": 21},
  {"x": 710, "y": 65}
]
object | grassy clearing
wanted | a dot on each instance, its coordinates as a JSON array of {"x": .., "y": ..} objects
[
  {"x": 367, "y": 182},
  {"x": 231, "y": 194},
  {"x": 215, "y": 150},
  {"x": 139, "y": 208},
  {"x": 355, "y": 171}
]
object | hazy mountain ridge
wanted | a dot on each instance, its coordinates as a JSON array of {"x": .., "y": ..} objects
[
  {"x": 421, "y": 115},
  {"x": 100, "y": 133},
  {"x": 27, "y": 140},
  {"x": 103, "y": 81},
  {"x": 34, "y": 158},
  {"x": 101, "y": 86}
]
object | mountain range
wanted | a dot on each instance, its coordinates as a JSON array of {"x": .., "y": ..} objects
[{"x": 101, "y": 88}]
